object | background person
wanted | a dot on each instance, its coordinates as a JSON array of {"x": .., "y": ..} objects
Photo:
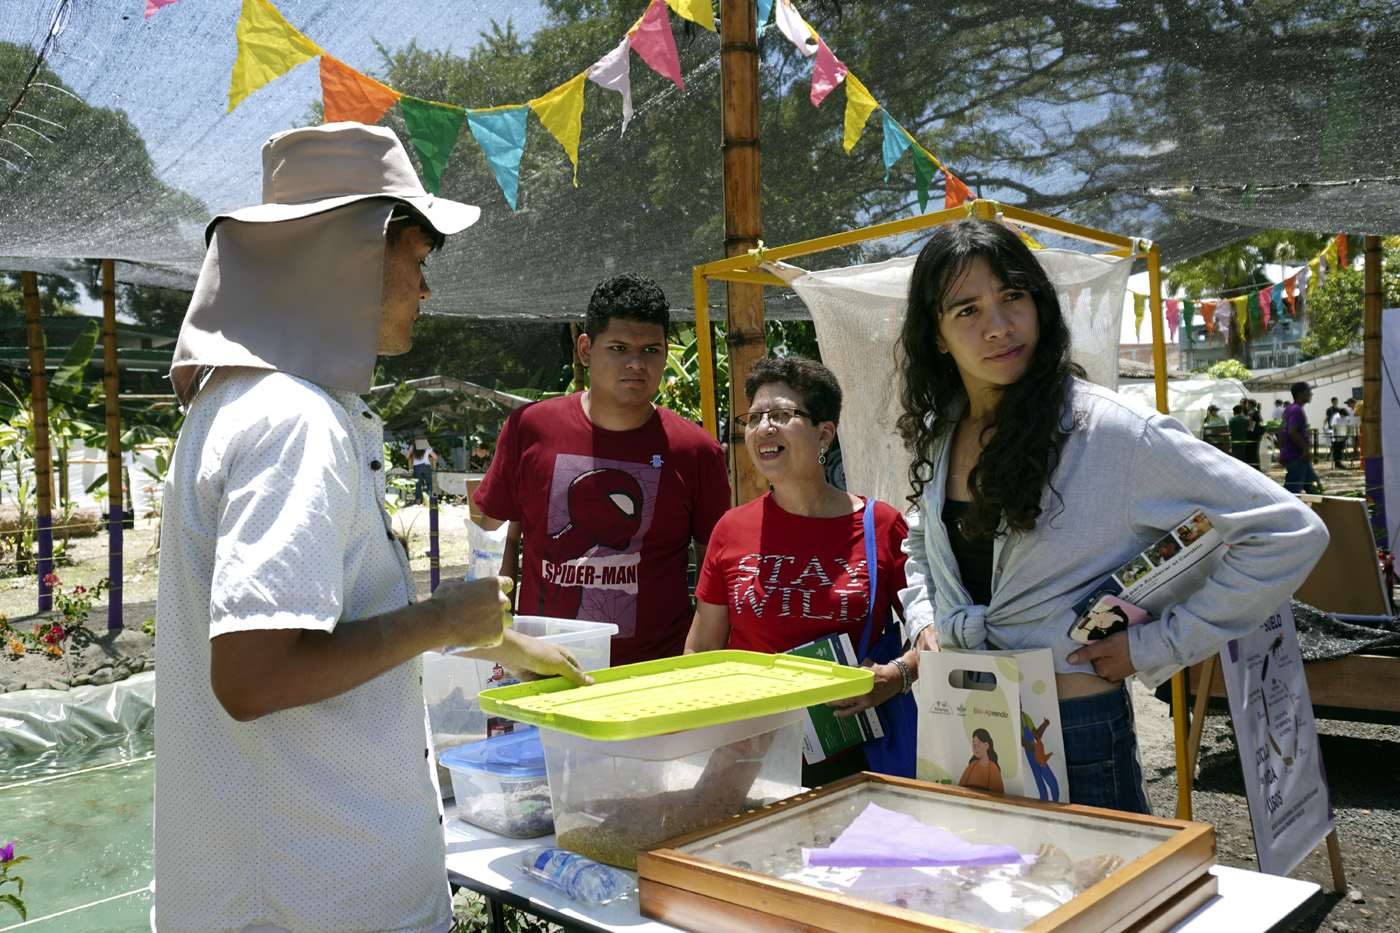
[
  {"x": 1337, "y": 435},
  {"x": 790, "y": 567},
  {"x": 1239, "y": 434},
  {"x": 1033, "y": 486},
  {"x": 423, "y": 460},
  {"x": 294, "y": 786},
  {"x": 1296, "y": 451},
  {"x": 608, "y": 489}
]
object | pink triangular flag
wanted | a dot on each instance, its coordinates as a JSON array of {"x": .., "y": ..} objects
[
  {"x": 827, "y": 72},
  {"x": 654, "y": 42},
  {"x": 153, "y": 5},
  {"x": 1266, "y": 301},
  {"x": 1173, "y": 315}
]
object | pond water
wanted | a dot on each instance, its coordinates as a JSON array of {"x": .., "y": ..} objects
[{"x": 82, "y": 813}]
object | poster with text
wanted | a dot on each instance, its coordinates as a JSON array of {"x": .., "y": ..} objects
[{"x": 1285, "y": 783}]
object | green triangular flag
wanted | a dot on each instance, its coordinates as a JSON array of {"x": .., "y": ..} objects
[
  {"x": 433, "y": 128},
  {"x": 924, "y": 167}
]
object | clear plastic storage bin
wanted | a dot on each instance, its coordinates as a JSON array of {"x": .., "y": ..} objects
[
  {"x": 612, "y": 797},
  {"x": 500, "y": 784},
  {"x": 451, "y": 683}
]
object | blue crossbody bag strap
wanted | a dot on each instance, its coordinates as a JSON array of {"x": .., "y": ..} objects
[
  {"x": 894, "y": 753},
  {"x": 871, "y": 568}
]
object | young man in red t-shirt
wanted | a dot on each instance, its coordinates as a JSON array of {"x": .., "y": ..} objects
[{"x": 607, "y": 489}]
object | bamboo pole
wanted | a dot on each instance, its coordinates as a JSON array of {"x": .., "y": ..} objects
[
  {"x": 116, "y": 515},
  {"x": 743, "y": 224},
  {"x": 579, "y": 382},
  {"x": 39, "y": 426},
  {"x": 1372, "y": 461}
]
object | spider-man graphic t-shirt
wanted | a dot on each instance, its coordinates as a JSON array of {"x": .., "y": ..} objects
[{"x": 607, "y": 518}]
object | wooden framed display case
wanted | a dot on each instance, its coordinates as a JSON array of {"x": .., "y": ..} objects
[{"x": 1091, "y": 870}]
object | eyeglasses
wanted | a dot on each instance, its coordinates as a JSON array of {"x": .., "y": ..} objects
[{"x": 777, "y": 417}]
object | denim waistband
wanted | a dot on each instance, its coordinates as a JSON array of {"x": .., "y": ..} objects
[{"x": 1096, "y": 708}]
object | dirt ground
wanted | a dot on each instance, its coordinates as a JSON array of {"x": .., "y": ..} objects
[{"x": 1362, "y": 759}]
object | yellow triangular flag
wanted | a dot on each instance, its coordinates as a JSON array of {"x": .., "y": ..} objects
[
  {"x": 1139, "y": 308},
  {"x": 697, "y": 11},
  {"x": 859, "y": 106},
  {"x": 561, "y": 112},
  {"x": 268, "y": 48}
]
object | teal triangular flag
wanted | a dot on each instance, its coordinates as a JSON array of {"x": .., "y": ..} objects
[
  {"x": 924, "y": 167},
  {"x": 896, "y": 141},
  {"x": 433, "y": 128},
  {"x": 501, "y": 136},
  {"x": 765, "y": 9}
]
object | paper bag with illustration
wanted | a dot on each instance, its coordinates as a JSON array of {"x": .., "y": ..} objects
[{"x": 991, "y": 720}]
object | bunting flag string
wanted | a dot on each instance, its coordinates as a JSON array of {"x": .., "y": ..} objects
[
  {"x": 269, "y": 46},
  {"x": 1254, "y": 312}
]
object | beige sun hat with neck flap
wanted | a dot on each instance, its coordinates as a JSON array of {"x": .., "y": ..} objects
[{"x": 293, "y": 284}]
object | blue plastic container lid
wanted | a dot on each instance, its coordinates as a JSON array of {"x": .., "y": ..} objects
[{"x": 517, "y": 754}]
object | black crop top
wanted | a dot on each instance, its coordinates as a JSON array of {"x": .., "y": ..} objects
[{"x": 974, "y": 555}]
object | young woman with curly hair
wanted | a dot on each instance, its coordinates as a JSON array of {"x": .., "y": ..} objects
[{"x": 1033, "y": 485}]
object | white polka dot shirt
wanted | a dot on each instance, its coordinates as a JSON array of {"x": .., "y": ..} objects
[{"x": 321, "y": 817}]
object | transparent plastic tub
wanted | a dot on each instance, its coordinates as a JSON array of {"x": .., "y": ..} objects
[
  {"x": 500, "y": 784},
  {"x": 452, "y": 684},
  {"x": 611, "y": 798}
]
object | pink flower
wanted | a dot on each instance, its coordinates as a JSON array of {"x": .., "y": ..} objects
[
  {"x": 52, "y": 579},
  {"x": 7, "y": 854}
]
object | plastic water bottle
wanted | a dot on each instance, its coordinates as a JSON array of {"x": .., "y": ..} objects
[{"x": 583, "y": 879}]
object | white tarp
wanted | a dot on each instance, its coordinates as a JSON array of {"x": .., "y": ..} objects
[
  {"x": 859, "y": 310},
  {"x": 1188, "y": 399}
]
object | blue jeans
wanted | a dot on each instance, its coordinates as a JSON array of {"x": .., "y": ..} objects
[
  {"x": 1299, "y": 475},
  {"x": 423, "y": 473},
  {"x": 1101, "y": 755}
]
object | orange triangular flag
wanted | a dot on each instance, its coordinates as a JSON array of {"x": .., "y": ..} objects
[
  {"x": 349, "y": 95},
  {"x": 954, "y": 191}
]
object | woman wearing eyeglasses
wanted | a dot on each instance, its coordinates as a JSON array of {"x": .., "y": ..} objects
[
  {"x": 1033, "y": 485},
  {"x": 791, "y": 567}
]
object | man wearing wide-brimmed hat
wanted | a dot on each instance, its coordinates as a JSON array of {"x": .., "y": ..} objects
[{"x": 294, "y": 786}]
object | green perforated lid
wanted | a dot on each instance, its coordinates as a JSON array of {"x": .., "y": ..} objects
[{"x": 671, "y": 694}]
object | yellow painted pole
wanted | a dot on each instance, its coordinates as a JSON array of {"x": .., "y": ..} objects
[
  {"x": 1159, "y": 371},
  {"x": 704, "y": 351}
]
